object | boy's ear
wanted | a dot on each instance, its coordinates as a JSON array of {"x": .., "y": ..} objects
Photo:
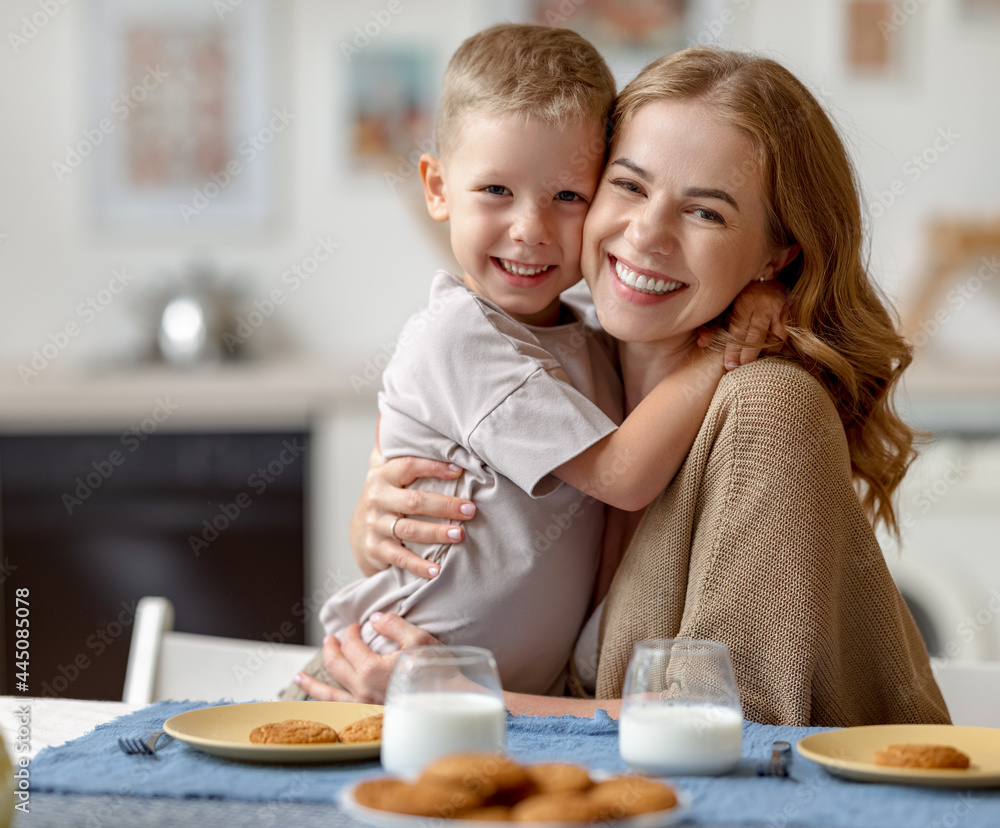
[{"x": 435, "y": 193}]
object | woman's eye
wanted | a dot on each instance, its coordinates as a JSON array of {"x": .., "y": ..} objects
[
  {"x": 496, "y": 189},
  {"x": 709, "y": 215},
  {"x": 568, "y": 195},
  {"x": 626, "y": 184}
]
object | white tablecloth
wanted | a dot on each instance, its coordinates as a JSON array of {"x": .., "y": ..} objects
[{"x": 55, "y": 721}]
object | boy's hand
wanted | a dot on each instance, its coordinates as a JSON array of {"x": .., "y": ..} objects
[
  {"x": 362, "y": 673},
  {"x": 759, "y": 308}
]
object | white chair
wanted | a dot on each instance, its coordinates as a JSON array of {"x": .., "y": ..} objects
[
  {"x": 971, "y": 689},
  {"x": 163, "y": 664}
]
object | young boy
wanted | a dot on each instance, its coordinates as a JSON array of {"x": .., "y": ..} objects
[{"x": 502, "y": 377}]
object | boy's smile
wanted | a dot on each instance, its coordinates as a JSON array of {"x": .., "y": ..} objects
[{"x": 516, "y": 191}]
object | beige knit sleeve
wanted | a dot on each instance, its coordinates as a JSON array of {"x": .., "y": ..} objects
[{"x": 779, "y": 562}]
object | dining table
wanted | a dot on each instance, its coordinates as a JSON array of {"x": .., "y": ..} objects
[{"x": 78, "y": 776}]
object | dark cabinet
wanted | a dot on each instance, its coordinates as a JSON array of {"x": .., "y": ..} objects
[{"x": 90, "y": 523}]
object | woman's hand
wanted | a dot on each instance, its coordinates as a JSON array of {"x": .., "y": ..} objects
[
  {"x": 363, "y": 673},
  {"x": 377, "y": 542}
]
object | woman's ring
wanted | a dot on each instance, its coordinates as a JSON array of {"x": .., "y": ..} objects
[{"x": 392, "y": 528}]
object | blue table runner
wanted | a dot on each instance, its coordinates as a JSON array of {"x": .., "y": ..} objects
[{"x": 94, "y": 765}]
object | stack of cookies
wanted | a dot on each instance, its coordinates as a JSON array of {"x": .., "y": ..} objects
[{"x": 491, "y": 787}]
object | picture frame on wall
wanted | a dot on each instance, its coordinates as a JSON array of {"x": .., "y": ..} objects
[
  {"x": 631, "y": 33},
  {"x": 976, "y": 11},
  {"x": 641, "y": 25},
  {"x": 185, "y": 129},
  {"x": 391, "y": 101},
  {"x": 873, "y": 41}
]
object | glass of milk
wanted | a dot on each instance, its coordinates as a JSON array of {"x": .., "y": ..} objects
[
  {"x": 681, "y": 712},
  {"x": 441, "y": 700}
]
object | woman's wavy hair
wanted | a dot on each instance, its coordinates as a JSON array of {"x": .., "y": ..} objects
[{"x": 842, "y": 331}]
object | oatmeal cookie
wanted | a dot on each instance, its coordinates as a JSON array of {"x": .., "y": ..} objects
[
  {"x": 555, "y": 807},
  {"x": 293, "y": 732},
  {"x": 481, "y": 773},
  {"x": 626, "y": 796},
  {"x": 441, "y": 800},
  {"x": 487, "y": 813},
  {"x": 380, "y": 793},
  {"x": 925, "y": 757},
  {"x": 556, "y": 777},
  {"x": 364, "y": 730}
]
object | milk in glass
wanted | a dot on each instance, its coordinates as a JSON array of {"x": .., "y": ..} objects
[
  {"x": 693, "y": 739},
  {"x": 419, "y": 727}
]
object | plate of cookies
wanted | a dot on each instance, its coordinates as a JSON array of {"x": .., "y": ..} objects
[
  {"x": 936, "y": 755},
  {"x": 283, "y": 732},
  {"x": 479, "y": 789}
]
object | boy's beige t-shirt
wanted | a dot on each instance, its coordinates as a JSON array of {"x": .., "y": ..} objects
[{"x": 508, "y": 403}]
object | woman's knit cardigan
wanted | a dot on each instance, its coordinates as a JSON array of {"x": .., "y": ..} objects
[{"x": 761, "y": 542}]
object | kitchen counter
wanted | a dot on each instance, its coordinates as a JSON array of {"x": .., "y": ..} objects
[
  {"x": 957, "y": 399},
  {"x": 954, "y": 399},
  {"x": 255, "y": 395}
]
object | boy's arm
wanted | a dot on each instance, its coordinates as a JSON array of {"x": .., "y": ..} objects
[{"x": 630, "y": 467}]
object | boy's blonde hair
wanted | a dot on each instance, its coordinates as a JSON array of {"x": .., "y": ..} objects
[{"x": 513, "y": 69}]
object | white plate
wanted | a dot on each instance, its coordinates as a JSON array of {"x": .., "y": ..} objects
[
  {"x": 387, "y": 819},
  {"x": 225, "y": 731},
  {"x": 848, "y": 752}
]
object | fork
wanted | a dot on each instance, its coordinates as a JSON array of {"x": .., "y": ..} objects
[
  {"x": 134, "y": 746},
  {"x": 780, "y": 762}
]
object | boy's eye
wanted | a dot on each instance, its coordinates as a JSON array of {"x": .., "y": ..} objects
[
  {"x": 568, "y": 195},
  {"x": 709, "y": 215},
  {"x": 496, "y": 189}
]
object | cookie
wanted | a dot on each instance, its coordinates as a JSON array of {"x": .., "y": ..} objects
[
  {"x": 487, "y": 813},
  {"x": 293, "y": 732},
  {"x": 363, "y": 730},
  {"x": 441, "y": 799},
  {"x": 558, "y": 777},
  {"x": 480, "y": 773},
  {"x": 626, "y": 796},
  {"x": 925, "y": 757},
  {"x": 426, "y": 800},
  {"x": 380, "y": 793},
  {"x": 554, "y": 807}
]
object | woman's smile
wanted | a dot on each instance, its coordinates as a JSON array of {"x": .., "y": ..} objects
[
  {"x": 678, "y": 226},
  {"x": 644, "y": 282}
]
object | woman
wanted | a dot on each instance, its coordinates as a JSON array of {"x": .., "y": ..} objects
[{"x": 723, "y": 168}]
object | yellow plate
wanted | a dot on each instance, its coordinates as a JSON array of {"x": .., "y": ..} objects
[
  {"x": 225, "y": 731},
  {"x": 848, "y": 752}
]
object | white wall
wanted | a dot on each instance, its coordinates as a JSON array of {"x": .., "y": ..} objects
[
  {"x": 946, "y": 84},
  {"x": 51, "y": 257}
]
